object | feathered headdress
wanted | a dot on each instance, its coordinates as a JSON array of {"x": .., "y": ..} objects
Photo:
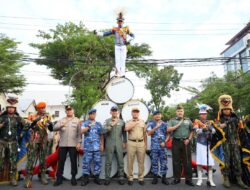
[
  {"x": 120, "y": 12},
  {"x": 203, "y": 108}
]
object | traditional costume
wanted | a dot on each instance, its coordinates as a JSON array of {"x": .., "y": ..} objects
[{"x": 229, "y": 145}]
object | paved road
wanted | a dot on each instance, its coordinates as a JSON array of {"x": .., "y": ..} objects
[{"x": 114, "y": 185}]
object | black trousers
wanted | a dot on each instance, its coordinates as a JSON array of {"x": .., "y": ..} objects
[
  {"x": 62, "y": 157},
  {"x": 181, "y": 152}
]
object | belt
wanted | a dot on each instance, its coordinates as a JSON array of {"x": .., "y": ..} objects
[
  {"x": 135, "y": 140},
  {"x": 180, "y": 139}
]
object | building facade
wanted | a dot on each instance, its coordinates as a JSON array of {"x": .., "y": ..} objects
[{"x": 239, "y": 50}]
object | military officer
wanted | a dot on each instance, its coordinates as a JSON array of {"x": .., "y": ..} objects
[
  {"x": 182, "y": 129},
  {"x": 157, "y": 129},
  {"x": 70, "y": 141},
  {"x": 137, "y": 143},
  {"x": 116, "y": 139},
  {"x": 10, "y": 122},
  {"x": 41, "y": 122},
  {"x": 93, "y": 146}
]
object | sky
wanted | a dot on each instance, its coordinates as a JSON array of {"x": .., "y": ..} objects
[{"x": 173, "y": 29}]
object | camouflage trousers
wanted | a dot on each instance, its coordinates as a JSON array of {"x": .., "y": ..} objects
[
  {"x": 232, "y": 159},
  {"x": 8, "y": 151},
  {"x": 159, "y": 156},
  {"x": 36, "y": 151}
]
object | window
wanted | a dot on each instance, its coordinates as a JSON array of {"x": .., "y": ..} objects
[
  {"x": 243, "y": 61},
  {"x": 57, "y": 113}
]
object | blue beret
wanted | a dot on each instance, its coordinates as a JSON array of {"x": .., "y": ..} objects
[
  {"x": 156, "y": 112},
  {"x": 92, "y": 111}
]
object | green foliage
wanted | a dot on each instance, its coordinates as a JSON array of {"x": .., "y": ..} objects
[
  {"x": 160, "y": 82},
  {"x": 11, "y": 81},
  {"x": 234, "y": 84},
  {"x": 78, "y": 57}
]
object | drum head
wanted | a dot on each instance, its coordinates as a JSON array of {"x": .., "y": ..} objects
[
  {"x": 127, "y": 108},
  {"x": 67, "y": 168},
  {"x": 147, "y": 165},
  {"x": 103, "y": 110},
  {"x": 120, "y": 90},
  {"x": 113, "y": 167}
]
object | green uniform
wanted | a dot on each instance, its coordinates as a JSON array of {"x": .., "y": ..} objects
[
  {"x": 179, "y": 149},
  {"x": 8, "y": 139},
  {"x": 115, "y": 136}
]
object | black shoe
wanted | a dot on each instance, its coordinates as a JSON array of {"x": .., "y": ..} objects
[
  {"x": 121, "y": 181},
  {"x": 73, "y": 181},
  {"x": 155, "y": 180},
  {"x": 175, "y": 181},
  {"x": 164, "y": 180},
  {"x": 130, "y": 182},
  {"x": 189, "y": 182},
  {"x": 85, "y": 180},
  {"x": 57, "y": 182},
  {"x": 97, "y": 180},
  {"x": 107, "y": 182},
  {"x": 141, "y": 182}
]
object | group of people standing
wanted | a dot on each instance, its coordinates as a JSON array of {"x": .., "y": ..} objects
[{"x": 224, "y": 140}]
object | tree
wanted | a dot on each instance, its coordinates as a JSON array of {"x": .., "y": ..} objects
[
  {"x": 72, "y": 50},
  {"x": 11, "y": 81},
  {"x": 160, "y": 82}
]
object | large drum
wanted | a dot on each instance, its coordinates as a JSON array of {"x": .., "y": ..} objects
[
  {"x": 113, "y": 167},
  {"x": 120, "y": 90},
  {"x": 147, "y": 165},
  {"x": 127, "y": 108},
  {"x": 103, "y": 110}
]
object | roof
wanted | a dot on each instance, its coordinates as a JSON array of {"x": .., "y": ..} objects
[
  {"x": 25, "y": 103},
  {"x": 237, "y": 37}
]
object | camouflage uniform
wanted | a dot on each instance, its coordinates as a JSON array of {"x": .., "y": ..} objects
[
  {"x": 8, "y": 141},
  {"x": 37, "y": 146},
  {"x": 92, "y": 141},
  {"x": 157, "y": 152}
]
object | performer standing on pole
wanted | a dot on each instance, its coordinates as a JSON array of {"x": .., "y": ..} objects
[
  {"x": 120, "y": 32},
  {"x": 204, "y": 129}
]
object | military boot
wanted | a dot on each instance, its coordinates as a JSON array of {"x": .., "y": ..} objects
[
  {"x": 85, "y": 180},
  {"x": 155, "y": 179},
  {"x": 13, "y": 180},
  {"x": 241, "y": 183},
  {"x": 226, "y": 182},
  {"x": 164, "y": 180},
  {"x": 43, "y": 179},
  {"x": 27, "y": 181},
  {"x": 97, "y": 180}
]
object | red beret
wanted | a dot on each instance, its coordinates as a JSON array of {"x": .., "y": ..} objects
[{"x": 41, "y": 105}]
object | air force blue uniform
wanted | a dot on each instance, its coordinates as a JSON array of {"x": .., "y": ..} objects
[
  {"x": 92, "y": 141},
  {"x": 157, "y": 152}
]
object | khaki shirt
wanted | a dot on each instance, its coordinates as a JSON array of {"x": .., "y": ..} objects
[
  {"x": 69, "y": 131},
  {"x": 138, "y": 132},
  {"x": 184, "y": 130}
]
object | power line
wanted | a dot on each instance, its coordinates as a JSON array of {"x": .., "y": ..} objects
[
  {"x": 134, "y": 29},
  {"x": 106, "y": 21}
]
